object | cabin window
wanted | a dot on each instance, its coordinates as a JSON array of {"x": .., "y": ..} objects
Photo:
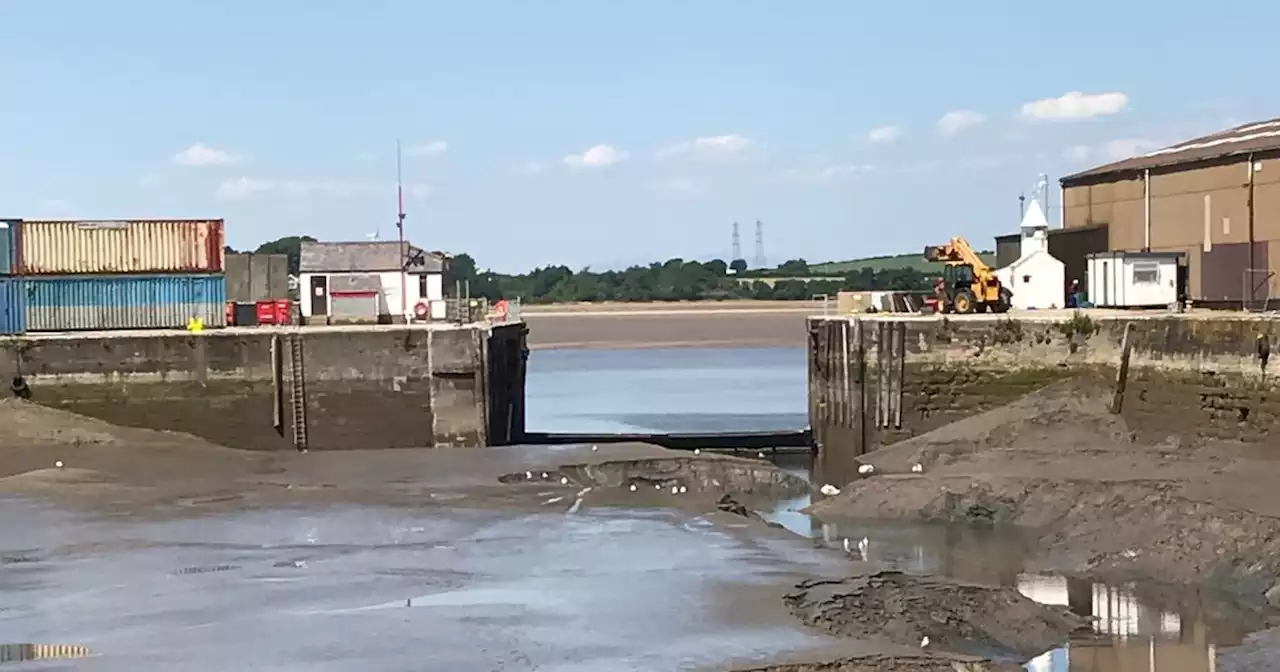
[
  {"x": 422, "y": 286},
  {"x": 1146, "y": 273}
]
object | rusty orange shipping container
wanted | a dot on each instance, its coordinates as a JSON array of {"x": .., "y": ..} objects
[{"x": 51, "y": 247}]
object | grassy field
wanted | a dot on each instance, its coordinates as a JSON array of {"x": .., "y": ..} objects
[{"x": 915, "y": 261}]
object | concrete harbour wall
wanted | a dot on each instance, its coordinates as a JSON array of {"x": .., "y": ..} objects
[
  {"x": 360, "y": 387},
  {"x": 1190, "y": 375}
]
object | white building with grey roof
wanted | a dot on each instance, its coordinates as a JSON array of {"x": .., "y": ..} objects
[{"x": 370, "y": 282}]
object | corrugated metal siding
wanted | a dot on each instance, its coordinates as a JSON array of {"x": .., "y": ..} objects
[
  {"x": 72, "y": 303},
  {"x": 12, "y": 315},
  {"x": 8, "y": 245},
  {"x": 142, "y": 246}
]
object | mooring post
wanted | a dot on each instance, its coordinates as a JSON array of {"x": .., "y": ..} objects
[
  {"x": 899, "y": 370},
  {"x": 859, "y": 402},
  {"x": 846, "y": 379},
  {"x": 277, "y": 385},
  {"x": 883, "y": 371},
  {"x": 1122, "y": 376}
]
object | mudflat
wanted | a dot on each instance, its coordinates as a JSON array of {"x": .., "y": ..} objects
[
  {"x": 128, "y": 549},
  {"x": 124, "y": 549}
]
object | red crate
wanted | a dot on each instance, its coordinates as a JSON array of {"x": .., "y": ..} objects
[
  {"x": 283, "y": 310},
  {"x": 266, "y": 311}
]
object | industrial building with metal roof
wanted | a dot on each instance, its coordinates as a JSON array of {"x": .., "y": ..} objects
[{"x": 1215, "y": 199}]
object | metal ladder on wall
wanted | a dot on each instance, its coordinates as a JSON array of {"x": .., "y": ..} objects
[{"x": 298, "y": 392}]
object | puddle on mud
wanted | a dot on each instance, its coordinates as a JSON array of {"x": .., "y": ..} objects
[
  {"x": 1136, "y": 627},
  {"x": 1179, "y": 630}
]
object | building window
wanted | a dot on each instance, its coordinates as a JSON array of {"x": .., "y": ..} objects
[
  {"x": 1146, "y": 273},
  {"x": 422, "y": 286}
]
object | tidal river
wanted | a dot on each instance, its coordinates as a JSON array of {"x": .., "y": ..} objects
[{"x": 736, "y": 389}]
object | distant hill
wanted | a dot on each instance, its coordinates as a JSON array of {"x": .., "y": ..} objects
[{"x": 914, "y": 261}]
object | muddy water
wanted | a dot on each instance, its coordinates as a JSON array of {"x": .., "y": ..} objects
[{"x": 1138, "y": 627}]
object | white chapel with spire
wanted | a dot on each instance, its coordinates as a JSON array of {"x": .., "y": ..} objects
[{"x": 1037, "y": 279}]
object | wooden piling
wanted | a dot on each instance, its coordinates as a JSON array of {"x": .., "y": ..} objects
[
  {"x": 846, "y": 377},
  {"x": 1122, "y": 376},
  {"x": 899, "y": 370},
  {"x": 883, "y": 368},
  {"x": 859, "y": 401}
]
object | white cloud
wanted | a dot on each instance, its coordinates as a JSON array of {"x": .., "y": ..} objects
[
  {"x": 884, "y": 134},
  {"x": 712, "y": 148},
  {"x": 956, "y": 121},
  {"x": 600, "y": 156},
  {"x": 243, "y": 188},
  {"x": 1076, "y": 105},
  {"x": 433, "y": 148},
  {"x": 201, "y": 154}
]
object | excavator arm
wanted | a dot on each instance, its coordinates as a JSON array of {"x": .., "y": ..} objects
[
  {"x": 978, "y": 289},
  {"x": 958, "y": 251}
]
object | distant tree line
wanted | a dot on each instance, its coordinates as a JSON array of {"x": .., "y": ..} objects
[{"x": 672, "y": 280}]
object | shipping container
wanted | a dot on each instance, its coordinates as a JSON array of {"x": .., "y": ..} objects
[
  {"x": 93, "y": 302},
  {"x": 9, "y": 231},
  {"x": 121, "y": 246},
  {"x": 12, "y": 315}
]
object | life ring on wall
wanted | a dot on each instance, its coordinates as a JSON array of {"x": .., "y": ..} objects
[
  {"x": 500, "y": 308},
  {"x": 421, "y": 310}
]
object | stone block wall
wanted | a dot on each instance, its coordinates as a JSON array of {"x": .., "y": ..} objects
[
  {"x": 1195, "y": 376},
  {"x": 373, "y": 387}
]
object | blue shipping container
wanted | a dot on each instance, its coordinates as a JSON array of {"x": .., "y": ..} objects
[
  {"x": 12, "y": 312},
  {"x": 8, "y": 245},
  {"x": 106, "y": 302}
]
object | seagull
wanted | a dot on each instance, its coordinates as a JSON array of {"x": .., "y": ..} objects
[
  {"x": 866, "y": 469},
  {"x": 924, "y": 641},
  {"x": 683, "y": 489},
  {"x": 58, "y": 464},
  {"x": 760, "y": 454},
  {"x": 697, "y": 451},
  {"x": 917, "y": 468},
  {"x": 528, "y": 475},
  {"x": 633, "y": 487},
  {"x": 657, "y": 486},
  {"x": 862, "y": 548},
  {"x": 675, "y": 490},
  {"x": 829, "y": 490},
  {"x": 595, "y": 448},
  {"x": 544, "y": 475},
  {"x": 564, "y": 480},
  {"x": 847, "y": 547}
]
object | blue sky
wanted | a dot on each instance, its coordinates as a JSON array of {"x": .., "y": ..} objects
[{"x": 848, "y": 128}]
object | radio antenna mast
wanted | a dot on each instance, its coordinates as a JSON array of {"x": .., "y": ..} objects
[{"x": 404, "y": 299}]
